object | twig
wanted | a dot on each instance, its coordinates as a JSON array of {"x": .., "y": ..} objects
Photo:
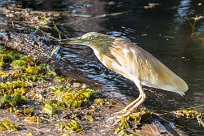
[{"x": 55, "y": 27}]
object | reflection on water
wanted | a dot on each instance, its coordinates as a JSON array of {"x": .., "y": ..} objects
[
  {"x": 163, "y": 30},
  {"x": 183, "y": 8}
]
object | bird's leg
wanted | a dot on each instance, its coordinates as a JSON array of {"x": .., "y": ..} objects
[
  {"x": 132, "y": 106},
  {"x": 129, "y": 106},
  {"x": 143, "y": 97}
]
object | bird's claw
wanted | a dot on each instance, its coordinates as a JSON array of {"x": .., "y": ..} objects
[
  {"x": 123, "y": 113},
  {"x": 127, "y": 113},
  {"x": 113, "y": 120}
]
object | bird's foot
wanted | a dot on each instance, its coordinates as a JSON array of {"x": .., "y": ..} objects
[
  {"x": 127, "y": 113},
  {"x": 123, "y": 111},
  {"x": 129, "y": 107},
  {"x": 113, "y": 120}
]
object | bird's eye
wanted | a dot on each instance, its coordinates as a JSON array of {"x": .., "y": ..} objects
[{"x": 90, "y": 38}]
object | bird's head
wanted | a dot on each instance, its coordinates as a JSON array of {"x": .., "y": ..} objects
[{"x": 92, "y": 39}]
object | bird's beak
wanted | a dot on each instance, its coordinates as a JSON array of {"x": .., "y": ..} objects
[{"x": 75, "y": 40}]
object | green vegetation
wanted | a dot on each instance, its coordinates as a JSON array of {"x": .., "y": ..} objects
[
  {"x": 63, "y": 100},
  {"x": 25, "y": 112},
  {"x": 12, "y": 100},
  {"x": 33, "y": 119},
  {"x": 71, "y": 126},
  {"x": 128, "y": 123},
  {"x": 21, "y": 92},
  {"x": 20, "y": 88},
  {"x": 191, "y": 114},
  {"x": 7, "y": 125}
]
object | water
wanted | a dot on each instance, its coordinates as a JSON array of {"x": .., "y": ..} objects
[{"x": 163, "y": 29}]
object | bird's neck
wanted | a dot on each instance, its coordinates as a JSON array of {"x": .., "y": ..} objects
[{"x": 101, "y": 45}]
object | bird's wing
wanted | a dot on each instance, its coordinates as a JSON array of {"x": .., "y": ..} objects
[
  {"x": 142, "y": 65},
  {"x": 110, "y": 61}
]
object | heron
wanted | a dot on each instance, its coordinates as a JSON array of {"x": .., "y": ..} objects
[{"x": 134, "y": 63}]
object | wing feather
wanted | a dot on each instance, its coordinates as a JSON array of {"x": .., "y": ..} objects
[{"x": 140, "y": 64}]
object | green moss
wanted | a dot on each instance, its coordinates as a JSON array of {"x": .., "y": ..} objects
[
  {"x": 7, "y": 125},
  {"x": 25, "y": 112},
  {"x": 63, "y": 100},
  {"x": 99, "y": 101},
  {"x": 74, "y": 126},
  {"x": 33, "y": 119},
  {"x": 23, "y": 67},
  {"x": 125, "y": 132},
  {"x": 74, "y": 98},
  {"x": 131, "y": 121},
  {"x": 189, "y": 113},
  {"x": 28, "y": 111},
  {"x": 3, "y": 74},
  {"x": 49, "y": 108},
  {"x": 18, "y": 64},
  {"x": 124, "y": 122},
  {"x": 13, "y": 100},
  {"x": 49, "y": 71},
  {"x": 30, "y": 61},
  {"x": 33, "y": 70},
  {"x": 20, "y": 91},
  {"x": 6, "y": 57},
  {"x": 14, "y": 87},
  {"x": 136, "y": 117},
  {"x": 90, "y": 118},
  {"x": 59, "y": 79},
  {"x": 24, "y": 78},
  {"x": 2, "y": 65}
]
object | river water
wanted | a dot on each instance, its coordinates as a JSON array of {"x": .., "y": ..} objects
[{"x": 166, "y": 29}]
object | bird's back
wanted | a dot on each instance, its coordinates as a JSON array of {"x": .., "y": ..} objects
[{"x": 133, "y": 62}]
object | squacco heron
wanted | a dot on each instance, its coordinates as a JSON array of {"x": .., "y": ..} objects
[{"x": 134, "y": 63}]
